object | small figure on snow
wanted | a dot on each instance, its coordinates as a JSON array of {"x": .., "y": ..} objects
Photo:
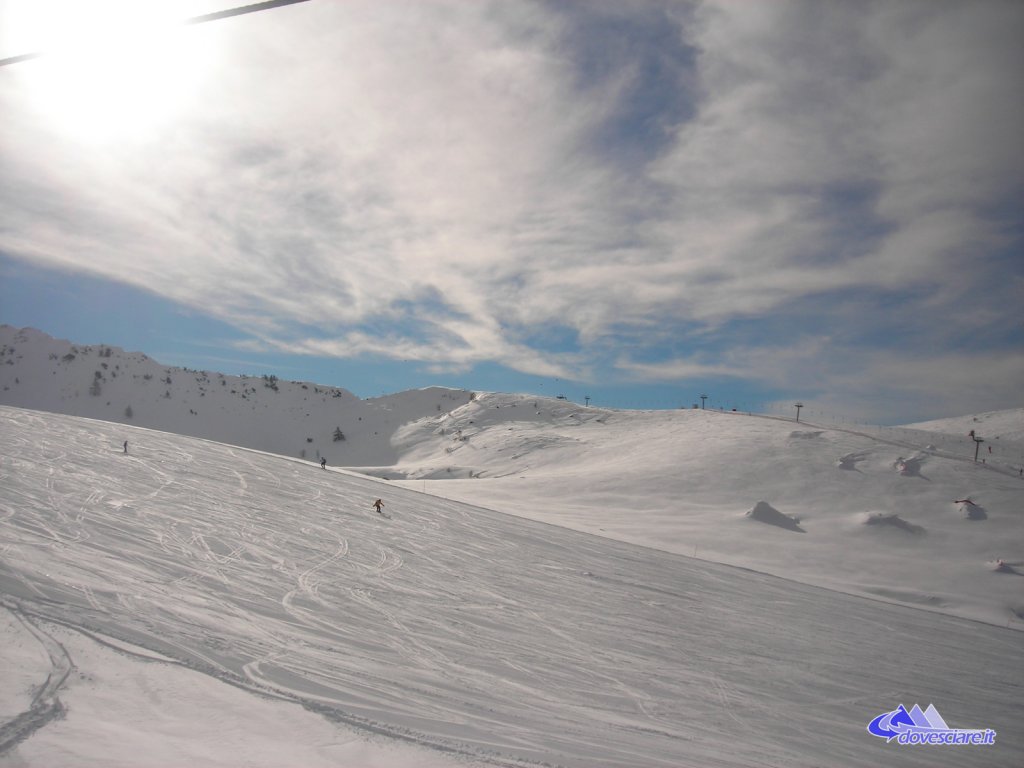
[
  {"x": 378, "y": 505},
  {"x": 323, "y": 463},
  {"x": 126, "y": 446}
]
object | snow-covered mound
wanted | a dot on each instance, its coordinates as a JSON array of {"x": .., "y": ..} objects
[
  {"x": 970, "y": 510},
  {"x": 764, "y": 512},
  {"x": 893, "y": 520}
]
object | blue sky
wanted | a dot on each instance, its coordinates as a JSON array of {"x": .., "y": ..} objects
[{"x": 642, "y": 202}]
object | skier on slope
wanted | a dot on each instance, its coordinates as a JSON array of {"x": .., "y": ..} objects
[
  {"x": 323, "y": 463},
  {"x": 126, "y": 446},
  {"x": 378, "y": 504}
]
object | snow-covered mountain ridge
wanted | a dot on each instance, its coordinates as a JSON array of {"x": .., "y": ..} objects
[{"x": 291, "y": 418}]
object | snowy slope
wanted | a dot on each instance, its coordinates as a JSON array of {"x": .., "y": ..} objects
[
  {"x": 685, "y": 481},
  {"x": 680, "y": 481},
  {"x": 290, "y": 418},
  {"x": 447, "y": 628},
  {"x": 992, "y": 425}
]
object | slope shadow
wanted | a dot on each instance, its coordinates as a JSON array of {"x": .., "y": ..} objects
[
  {"x": 1001, "y": 566},
  {"x": 894, "y": 521}
]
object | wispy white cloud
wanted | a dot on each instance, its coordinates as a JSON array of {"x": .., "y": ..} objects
[
  {"x": 678, "y": 369},
  {"x": 889, "y": 386},
  {"x": 882, "y": 385},
  {"x": 842, "y": 146},
  {"x": 581, "y": 190}
]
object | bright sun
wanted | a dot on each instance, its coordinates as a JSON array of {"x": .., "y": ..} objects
[{"x": 112, "y": 69}]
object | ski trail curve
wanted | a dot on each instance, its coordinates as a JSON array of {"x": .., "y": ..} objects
[{"x": 46, "y": 707}]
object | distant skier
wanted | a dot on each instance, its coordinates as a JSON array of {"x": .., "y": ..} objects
[
  {"x": 323, "y": 463},
  {"x": 378, "y": 505},
  {"x": 126, "y": 446}
]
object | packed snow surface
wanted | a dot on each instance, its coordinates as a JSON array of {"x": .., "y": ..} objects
[{"x": 189, "y": 602}]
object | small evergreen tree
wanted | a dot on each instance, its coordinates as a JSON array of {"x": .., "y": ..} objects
[
  {"x": 338, "y": 435},
  {"x": 128, "y": 412}
]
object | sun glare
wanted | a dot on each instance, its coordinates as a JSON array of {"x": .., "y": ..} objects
[{"x": 112, "y": 70}]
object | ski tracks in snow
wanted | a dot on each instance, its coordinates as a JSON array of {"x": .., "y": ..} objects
[
  {"x": 307, "y": 584},
  {"x": 45, "y": 706},
  {"x": 453, "y": 626}
]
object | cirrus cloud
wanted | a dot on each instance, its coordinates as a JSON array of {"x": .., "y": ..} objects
[{"x": 573, "y": 190}]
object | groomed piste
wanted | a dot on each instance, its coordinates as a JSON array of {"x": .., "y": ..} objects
[{"x": 189, "y": 589}]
